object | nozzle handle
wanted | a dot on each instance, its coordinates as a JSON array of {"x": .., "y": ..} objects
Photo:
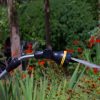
[
  {"x": 13, "y": 64},
  {"x": 49, "y": 54}
]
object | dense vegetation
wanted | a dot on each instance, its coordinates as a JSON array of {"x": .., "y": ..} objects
[
  {"x": 72, "y": 22},
  {"x": 69, "y": 20}
]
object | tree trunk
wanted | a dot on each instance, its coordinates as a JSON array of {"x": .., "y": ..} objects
[
  {"x": 14, "y": 29},
  {"x": 47, "y": 23},
  {"x": 3, "y": 2}
]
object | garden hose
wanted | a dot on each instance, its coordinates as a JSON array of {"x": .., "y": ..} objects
[{"x": 60, "y": 57}]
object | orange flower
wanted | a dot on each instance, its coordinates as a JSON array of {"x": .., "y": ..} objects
[
  {"x": 41, "y": 62},
  {"x": 23, "y": 76},
  {"x": 28, "y": 51},
  {"x": 30, "y": 68}
]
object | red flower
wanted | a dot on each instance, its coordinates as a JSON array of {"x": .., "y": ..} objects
[
  {"x": 97, "y": 41},
  {"x": 70, "y": 51},
  {"x": 29, "y": 45},
  {"x": 92, "y": 39},
  {"x": 41, "y": 62},
  {"x": 29, "y": 48},
  {"x": 95, "y": 70},
  {"x": 79, "y": 50},
  {"x": 91, "y": 42}
]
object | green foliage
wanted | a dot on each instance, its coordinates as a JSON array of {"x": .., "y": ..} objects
[
  {"x": 31, "y": 19},
  {"x": 53, "y": 85},
  {"x": 70, "y": 20},
  {"x": 67, "y": 18},
  {"x": 94, "y": 5},
  {"x": 3, "y": 23},
  {"x": 71, "y": 17}
]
